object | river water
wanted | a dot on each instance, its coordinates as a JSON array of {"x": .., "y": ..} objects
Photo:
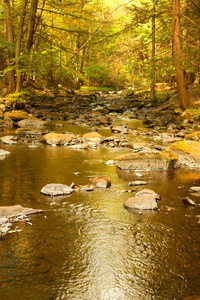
[{"x": 87, "y": 246}]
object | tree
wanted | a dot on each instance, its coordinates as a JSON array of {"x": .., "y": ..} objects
[
  {"x": 177, "y": 52},
  {"x": 18, "y": 44},
  {"x": 152, "y": 92},
  {"x": 101, "y": 42},
  {"x": 9, "y": 34}
]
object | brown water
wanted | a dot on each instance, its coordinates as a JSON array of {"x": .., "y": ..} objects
[{"x": 87, "y": 246}]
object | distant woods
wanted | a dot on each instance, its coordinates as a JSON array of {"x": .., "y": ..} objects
[{"x": 139, "y": 44}]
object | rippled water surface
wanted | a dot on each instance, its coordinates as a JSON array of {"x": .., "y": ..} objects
[{"x": 86, "y": 245}]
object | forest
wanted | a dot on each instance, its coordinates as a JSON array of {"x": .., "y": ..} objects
[{"x": 123, "y": 44}]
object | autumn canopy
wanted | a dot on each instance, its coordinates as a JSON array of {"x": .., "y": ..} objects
[{"x": 111, "y": 43}]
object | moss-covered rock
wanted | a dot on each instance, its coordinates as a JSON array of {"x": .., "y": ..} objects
[
  {"x": 188, "y": 153},
  {"x": 17, "y": 115},
  {"x": 195, "y": 136},
  {"x": 148, "y": 160}
]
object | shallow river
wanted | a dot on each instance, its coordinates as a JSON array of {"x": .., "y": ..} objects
[{"x": 87, "y": 246}]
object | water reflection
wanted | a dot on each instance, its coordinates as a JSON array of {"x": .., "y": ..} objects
[{"x": 86, "y": 245}]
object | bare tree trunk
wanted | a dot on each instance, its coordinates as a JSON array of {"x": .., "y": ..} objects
[
  {"x": 153, "y": 67},
  {"x": 182, "y": 93},
  {"x": 18, "y": 46},
  {"x": 10, "y": 39}
]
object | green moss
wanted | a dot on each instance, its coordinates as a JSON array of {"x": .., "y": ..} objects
[
  {"x": 195, "y": 136},
  {"x": 190, "y": 147},
  {"x": 16, "y": 100},
  {"x": 165, "y": 154},
  {"x": 168, "y": 155},
  {"x": 193, "y": 112}
]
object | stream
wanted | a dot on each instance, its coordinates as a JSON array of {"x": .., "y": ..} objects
[{"x": 87, "y": 246}]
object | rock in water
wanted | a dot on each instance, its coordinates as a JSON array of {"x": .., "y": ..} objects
[
  {"x": 8, "y": 139},
  {"x": 148, "y": 192},
  {"x": 187, "y": 201},
  {"x": 12, "y": 211},
  {"x": 101, "y": 182},
  {"x": 195, "y": 190},
  {"x": 144, "y": 199},
  {"x": 92, "y": 137},
  {"x": 55, "y": 189},
  {"x": 53, "y": 138},
  {"x": 147, "y": 160},
  {"x": 188, "y": 153},
  {"x": 137, "y": 182},
  {"x": 141, "y": 202},
  {"x": 4, "y": 152},
  {"x": 10, "y": 214}
]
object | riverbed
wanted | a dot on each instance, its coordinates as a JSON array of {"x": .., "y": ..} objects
[{"x": 87, "y": 245}]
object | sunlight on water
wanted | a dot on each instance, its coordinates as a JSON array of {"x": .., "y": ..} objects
[{"x": 86, "y": 245}]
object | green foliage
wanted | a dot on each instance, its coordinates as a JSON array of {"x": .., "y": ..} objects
[
  {"x": 95, "y": 88},
  {"x": 4, "y": 44},
  {"x": 163, "y": 96},
  {"x": 17, "y": 100},
  {"x": 102, "y": 43},
  {"x": 193, "y": 112},
  {"x": 130, "y": 91},
  {"x": 98, "y": 74}
]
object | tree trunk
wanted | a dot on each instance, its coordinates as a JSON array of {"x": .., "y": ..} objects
[
  {"x": 10, "y": 39},
  {"x": 31, "y": 25},
  {"x": 181, "y": 87},
  {"x": 18, "y": 46},
  {"x": 153, "y": 67},
  {"x": 80, "y": 80}
]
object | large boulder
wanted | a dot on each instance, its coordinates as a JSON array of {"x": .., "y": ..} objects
[
  {"x": 56, "y": 189},
  {"x": 148, "y": 160},
  {"x": 188, "y": 153},
  {"x": 56, "y": 138}
]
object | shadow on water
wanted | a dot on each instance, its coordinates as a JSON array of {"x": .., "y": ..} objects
[{"x": 86, "y": 245}]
